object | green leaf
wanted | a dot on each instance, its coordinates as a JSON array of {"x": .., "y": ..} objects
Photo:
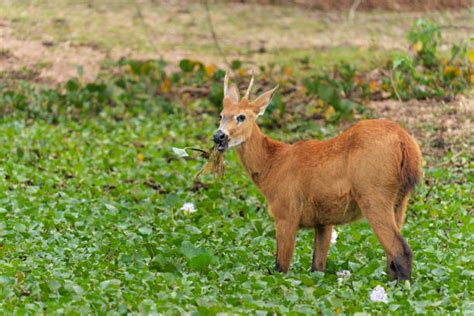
[
  {"x": 200, "y": 262},
  {"x": 145, "y": 230},
  {"x": 188, "y": 250},
  {"x": 109, "y": 284},
  {"x": 162, "y": 264},
  {"x": 236, "y": 64},
  {"x": 186, "y": 65},
  {"x": 54, "y": 285}
]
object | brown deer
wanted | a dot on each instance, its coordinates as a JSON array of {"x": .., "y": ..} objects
[{"x": 367, "y": 172}]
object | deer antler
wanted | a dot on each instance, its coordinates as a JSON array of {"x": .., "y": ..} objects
[
  {"x": 226, "y": 84},
  {"x": 247, "y": 94}
]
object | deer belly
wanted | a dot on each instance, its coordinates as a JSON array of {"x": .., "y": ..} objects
[{"x": 331, "y": 212}]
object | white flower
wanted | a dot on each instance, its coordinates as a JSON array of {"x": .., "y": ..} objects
[
  {"x": 378, "y": 295},
  {"x": 334, "y": 236},
  {"x": 343, "y": 275},
  {"x": 188, "y": 207}
]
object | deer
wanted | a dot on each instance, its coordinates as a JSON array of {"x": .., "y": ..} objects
[{"x": 368, "y": 171}]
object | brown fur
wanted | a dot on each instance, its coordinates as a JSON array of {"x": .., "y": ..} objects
[{"x": 367, "y": 171}]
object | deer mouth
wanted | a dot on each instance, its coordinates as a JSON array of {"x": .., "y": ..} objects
[
  {"x": 222, "y": 146},
  {"x": 221, "y": 140}
]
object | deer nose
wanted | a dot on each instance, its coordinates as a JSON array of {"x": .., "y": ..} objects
[{"x": 220, "y": 137}]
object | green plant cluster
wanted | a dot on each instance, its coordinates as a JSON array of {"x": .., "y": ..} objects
[{"x": 429, "y": 74}]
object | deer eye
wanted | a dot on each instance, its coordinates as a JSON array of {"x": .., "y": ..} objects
[
  {"x": 220, "y": 117},
  {"x": 240, "y": 118}
]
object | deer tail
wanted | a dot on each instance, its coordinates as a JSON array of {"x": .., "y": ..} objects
[{"x": 410, "y": 171}]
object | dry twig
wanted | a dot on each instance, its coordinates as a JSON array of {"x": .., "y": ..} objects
[
  {"x": 353, "y": 9},
  {"x": 213, "y": 32}
]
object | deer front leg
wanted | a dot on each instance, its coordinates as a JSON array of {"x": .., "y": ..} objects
[
  {"x": 322, "y": 241},
  {"x": 285, "y": 242}
]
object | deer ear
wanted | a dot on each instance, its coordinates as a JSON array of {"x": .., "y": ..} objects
[{"x": 260, "y": 104}]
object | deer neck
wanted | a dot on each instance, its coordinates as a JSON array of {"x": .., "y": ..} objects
[{"x": 256, "y": 154}]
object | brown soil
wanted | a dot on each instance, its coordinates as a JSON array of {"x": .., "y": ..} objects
[{"x": 49, "y": 60}]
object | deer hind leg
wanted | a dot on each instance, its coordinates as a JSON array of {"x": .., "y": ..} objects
[
  {"x": 399, "y": 213},
  {"x": 322, "y": 241},
  {"x": 380, "y": 215},
  {"x": 285, "y": 241}
]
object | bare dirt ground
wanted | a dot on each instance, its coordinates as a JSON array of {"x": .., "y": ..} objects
[{"x": 56, "y": 63}]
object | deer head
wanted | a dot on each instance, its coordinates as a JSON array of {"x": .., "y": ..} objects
[{"x": 238, "y": 115}]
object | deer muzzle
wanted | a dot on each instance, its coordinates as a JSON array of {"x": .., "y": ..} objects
[{"x": 221, "y": 139}]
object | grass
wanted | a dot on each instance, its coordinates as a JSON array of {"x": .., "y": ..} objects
[
  {"x": 306, "y": 60},
  {"x": 90, "y": 222}
]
